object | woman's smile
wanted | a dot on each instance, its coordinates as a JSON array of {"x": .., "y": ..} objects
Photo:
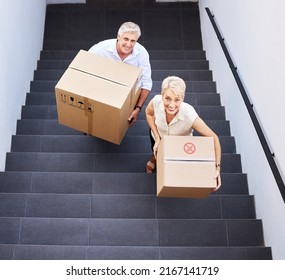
[{"x": 171, "y": 102}]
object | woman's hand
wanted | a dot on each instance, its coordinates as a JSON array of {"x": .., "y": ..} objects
[
  {"x": 155, "y": 147},
  {"x": 218, "y": 179}
]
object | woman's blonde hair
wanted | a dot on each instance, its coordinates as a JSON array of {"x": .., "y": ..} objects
[{"x": 175, "y": 84}]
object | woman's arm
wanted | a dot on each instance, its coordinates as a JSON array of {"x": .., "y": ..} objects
[{"x": 201, "y": 127}]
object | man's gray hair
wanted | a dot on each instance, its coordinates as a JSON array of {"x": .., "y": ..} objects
[
  {"x": 175, "y": 84},
  {"x": 129, "y": 27}
]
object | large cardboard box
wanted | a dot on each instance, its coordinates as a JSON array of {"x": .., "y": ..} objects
[
  {"x": 186, "y": 166},
  {"x": 96, "y": 95}
]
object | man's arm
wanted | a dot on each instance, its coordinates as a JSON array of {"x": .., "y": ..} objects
[
  {"x": 143, "y": 97},
  {"x": 145, "y": 83}
]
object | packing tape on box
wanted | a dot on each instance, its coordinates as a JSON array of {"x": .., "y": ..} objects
[{"x": 88, "y": 112}]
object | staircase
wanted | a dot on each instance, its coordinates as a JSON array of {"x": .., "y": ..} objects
[{"x": 66, "y": 195}]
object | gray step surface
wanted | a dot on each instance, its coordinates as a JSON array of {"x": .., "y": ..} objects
[
  {"x": 189, "y": 75},
  {"x": 101, "y": 183},
  {"x": 52, "y": 127},
  {"x": 145, "y": 232},
  {"x": 166, "y": 64},
  {"x": 94, "y": 162},
  {"x": 195, "y": 99},
  {"x": 119, "y": 206},
  {"x": 50, "y": 112},
  {"x": 62, "y": 55},
  {"x": 89, "y": 144},
  {"x": 62, "y": 252},
  {"x": 192, "y": 87},
  {"x": 158, "y": 44}
]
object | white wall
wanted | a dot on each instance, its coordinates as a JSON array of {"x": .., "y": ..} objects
[
  {"x": 254, "y": 34},
  {"x": 21, "y": 33},
  {"x": 65, "y": 1}
]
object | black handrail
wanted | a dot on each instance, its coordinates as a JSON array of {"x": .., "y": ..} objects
[{"x": 249, "y": 106}]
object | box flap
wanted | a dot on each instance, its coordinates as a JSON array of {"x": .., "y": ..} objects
[
  {"x": 189, "y": 174},
  {"x": 88, "y": 86},
  {"x": 105, "y": 68},
  {"x": 188, "y": 148}
]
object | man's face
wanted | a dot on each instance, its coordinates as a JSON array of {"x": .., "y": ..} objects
[{"x": 126, "y": 43}]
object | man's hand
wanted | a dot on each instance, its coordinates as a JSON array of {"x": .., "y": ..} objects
[{"x": 133, "y": 117}]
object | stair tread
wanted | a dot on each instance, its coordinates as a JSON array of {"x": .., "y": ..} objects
[
  {"x": 192, "y": 86},
  {"x": 94, "y": 162},
  {"x": 195, "y": 99},
  {"x": 50, "y": 112},
  {"x": 157, "y": 75},
  {"x": 64, "y": 252},
  {"x": 145, "y": 232},
  {"x": 84, "y": 143},
  {"x": 99, "y": 183},
  {"x": 135, "y": 206},
  {"x": 52, "y": 127},
  {"x": 154, "y": 54},
  {"x": 156, "y": 64}
]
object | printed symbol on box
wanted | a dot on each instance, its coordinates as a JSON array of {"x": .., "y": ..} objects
[
  {"x": 72, "y": 101},
  {"x": 90, "y": 107},
  {"x": 189, "y": 148},
  {"x": 63, "y": 97},
  {"x": 80, "y": 104}
]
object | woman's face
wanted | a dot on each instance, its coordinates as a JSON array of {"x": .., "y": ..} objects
[{"x": 171, "y": 102}]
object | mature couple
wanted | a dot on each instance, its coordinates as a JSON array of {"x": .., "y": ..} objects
[{"x": 166, "y": 113}]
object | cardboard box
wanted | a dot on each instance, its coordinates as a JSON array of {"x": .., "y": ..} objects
[
  {"x": 186, "y": 166},
  {"x": 96, "y": 95}
]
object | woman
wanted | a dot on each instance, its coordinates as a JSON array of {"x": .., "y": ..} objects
[{"x": 167, "y": 114}]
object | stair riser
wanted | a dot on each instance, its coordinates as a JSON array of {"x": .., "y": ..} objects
[
  {"x": 54, "y": 64},
  {"x": 192, "y": 87},
  {"x": 50, "y": 112},
  {"x": 53, "y": 252},
  {"x": 52, "y": 127},
  {"x": 202, "y": 99},
  {"x": 88, "y": 162},
  {"x": 88, "y": 144},
  {"x": 157, "y": 75},
  {"x": 101, "y": 183},
  {"x": 116, "y": 232},
  {"x": 154, "y": 54},
  {"x": 120, "y": 206}
]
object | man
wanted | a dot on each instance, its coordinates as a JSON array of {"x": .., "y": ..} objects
[{"x": 126, "y": 48}]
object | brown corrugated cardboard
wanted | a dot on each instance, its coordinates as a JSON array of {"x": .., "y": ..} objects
[
  {"x": 96, "y": 95},
  {"x": 186, "y": 166}
]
